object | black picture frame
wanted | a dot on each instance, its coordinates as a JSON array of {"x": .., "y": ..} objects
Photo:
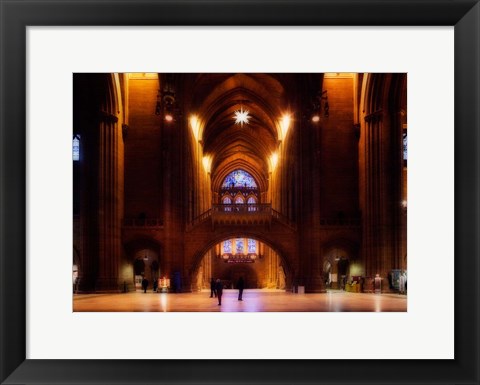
[{"x": 16, "y": 15}]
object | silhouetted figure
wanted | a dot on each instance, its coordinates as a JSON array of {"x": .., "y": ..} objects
[
  {"x": 144, "y": 284},
  {"x": 240, "y": 287},
  {"x": 155, "y": 284},
  {"x": 219, "y": 289},
  {"x": 213, "y": 291}
]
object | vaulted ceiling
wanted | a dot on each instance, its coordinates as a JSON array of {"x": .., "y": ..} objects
[{"x": 214, "y": 98}]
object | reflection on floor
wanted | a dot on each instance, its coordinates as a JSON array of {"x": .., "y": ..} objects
[{"x": 253, "y": 301}]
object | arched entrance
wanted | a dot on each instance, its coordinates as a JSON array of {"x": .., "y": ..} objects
[
  {"x": 230, "y": 258},
  {"x": 144, "y": 261},
  {"x": 338, "y": 265}
]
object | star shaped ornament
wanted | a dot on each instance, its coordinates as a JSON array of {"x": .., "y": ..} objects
[{"x": 241, "y": 116}]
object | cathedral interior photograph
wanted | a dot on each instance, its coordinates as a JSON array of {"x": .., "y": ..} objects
[{"x": 239, "y": 192}]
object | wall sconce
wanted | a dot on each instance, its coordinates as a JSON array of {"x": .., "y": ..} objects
[
  {"x": 168, "y": 98},
  {"x": 166, "y": 104},
  {"x": 317, "y": 111}
]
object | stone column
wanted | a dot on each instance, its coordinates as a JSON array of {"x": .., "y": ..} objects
[
  {"x": 371, "y": 220},
  {"x": 102, "y": 202},
  {"x": 89, "y": 206},
  {"x": 380, "y": 214},
  {"x": 109, "y": 206}
]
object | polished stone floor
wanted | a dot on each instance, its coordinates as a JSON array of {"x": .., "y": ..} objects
[{"x": 253, "y": 301}]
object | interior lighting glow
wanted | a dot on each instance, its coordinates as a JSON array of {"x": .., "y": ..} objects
[
  {"x": 274, "y": 160},
  {"x": 285, "y": 125},
  {"x": 241, "y": 116},
  {"x": 207, "y": 163},
  {"x": 195, "y": 126}
]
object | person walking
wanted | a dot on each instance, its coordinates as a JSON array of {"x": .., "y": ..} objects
[
  {"x": 240, "y": 287},
  {"x": 144, "y": 284},
  {"x": 213, "y": 291},
  {"x": 219, "y": 289}
]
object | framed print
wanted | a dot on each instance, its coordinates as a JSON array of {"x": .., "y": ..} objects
[{"x": 239, "y": 192}]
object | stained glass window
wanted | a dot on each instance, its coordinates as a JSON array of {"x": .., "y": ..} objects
[
  {"x": 227, "y": 201},
  {"x": 252, "y": 246},
  {"x": 239, "y": 246},
  {"x": 76, "y": 147},
  {"x": 239, "y": 178},
  {"x": 251, "y": 201},
  {"x": 405, "y": 145},
  {"x": 227, "y": 246},
  {"x": 239, "y": 200}
]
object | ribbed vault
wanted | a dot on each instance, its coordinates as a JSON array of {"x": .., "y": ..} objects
[{"x": 215, "y": 98}]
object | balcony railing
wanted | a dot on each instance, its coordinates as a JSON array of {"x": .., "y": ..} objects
[
  {"x": 242, "y": 213},
  {"x": 253, "y": 208}
]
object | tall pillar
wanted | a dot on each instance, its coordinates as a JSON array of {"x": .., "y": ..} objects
[
  {"x": 87, "y": 275},
  {"x": 109, "y": 220},
  {"x": 380, "y": 213},
  {"x": 102, "y": 202},
  {"x": 372, "y": 231}
]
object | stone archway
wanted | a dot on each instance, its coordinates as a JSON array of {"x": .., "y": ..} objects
[
  {"x": 338, "y": 255},
  {"x": 286, "y": 256},
  {"x": 143, "y": 259}
]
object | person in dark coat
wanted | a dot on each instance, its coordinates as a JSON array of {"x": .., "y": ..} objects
[
  {"x": 144, "y": 284},
  {"x": 219, "y": 289},
  {"x": 213, "y": 291},
  {"x": 240, "y": 287}
]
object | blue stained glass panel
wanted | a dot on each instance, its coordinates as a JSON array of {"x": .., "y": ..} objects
[
  {"x": 76, "y": 147},
  {"x": 239, "y": 246},
  {"x": 227, "y": 246},
  {"x": 239, "y": 178},
  {"x": 252, "y": 246}
]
